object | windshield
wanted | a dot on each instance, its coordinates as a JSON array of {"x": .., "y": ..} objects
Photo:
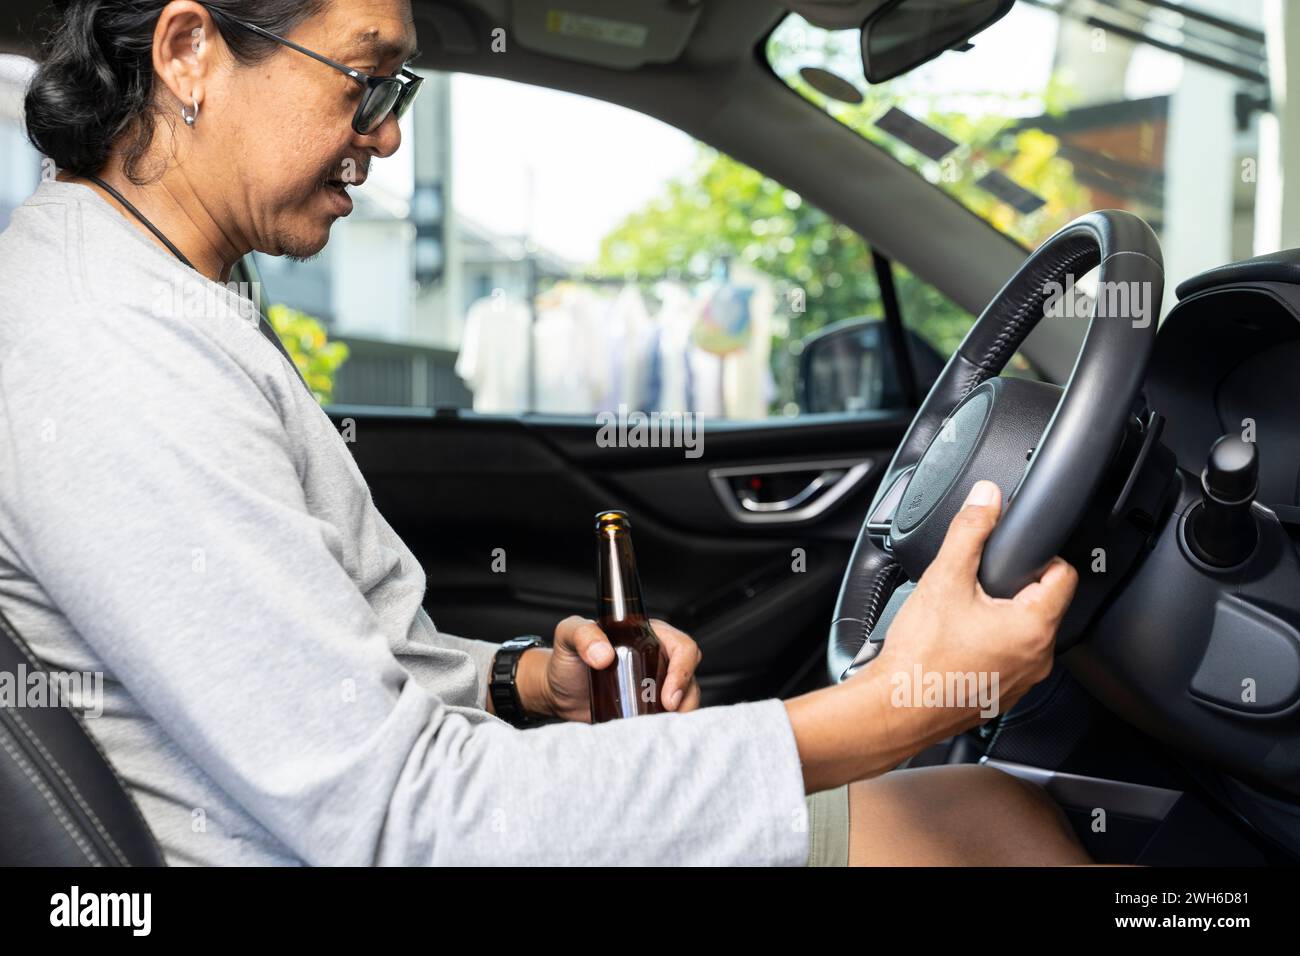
[{"x": 1061, "y": 108}]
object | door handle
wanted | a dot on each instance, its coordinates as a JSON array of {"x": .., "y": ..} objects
[
  {"x": 824, "y": 480},
  {"x": 828, "y": 483}
]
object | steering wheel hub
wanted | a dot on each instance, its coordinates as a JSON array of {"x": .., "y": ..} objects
[{"x": 992, "y": 434}]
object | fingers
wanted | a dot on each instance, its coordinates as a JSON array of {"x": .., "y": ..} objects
[
  {"x": 1051, "y": 594},
  {"x": 958, "y": 559},
  {"x": 581, "y": 636},
  {"x": 692, "y": 699},
  {"x": 683, "y": 658}
]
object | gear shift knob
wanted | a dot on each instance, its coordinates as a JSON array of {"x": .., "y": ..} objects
[{"x": 1221, "y": 529}]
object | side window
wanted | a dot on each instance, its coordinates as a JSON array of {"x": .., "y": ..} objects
[
  {"x": 533, "y": 251},
  {"x": 20, "y": 164}
]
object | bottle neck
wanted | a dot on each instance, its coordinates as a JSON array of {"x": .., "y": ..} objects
[{"x": 619, "y": 596}]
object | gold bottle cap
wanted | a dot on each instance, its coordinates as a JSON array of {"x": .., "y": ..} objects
[{"x": 612, "y": 520}]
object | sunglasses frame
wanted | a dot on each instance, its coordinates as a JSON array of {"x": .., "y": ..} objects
[{"x": 408, "y": 83}]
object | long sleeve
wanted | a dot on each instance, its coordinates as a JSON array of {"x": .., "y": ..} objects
[
  {"x": 480, "y": 652},
  {"x": 156, "y": 492}
]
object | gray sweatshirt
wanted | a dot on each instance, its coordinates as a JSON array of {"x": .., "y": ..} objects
[{"x": 179, "y": 515}]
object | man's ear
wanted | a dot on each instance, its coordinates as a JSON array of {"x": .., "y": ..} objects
[{"x": 186, "y": 48}]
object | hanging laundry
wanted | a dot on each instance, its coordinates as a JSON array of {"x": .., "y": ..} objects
[
  {"x": 571, "y": 366},
  {"x": 675, "y": 319},
  {"x": 639, "y": 335},
  {"x": 750, "y": 387},
  {"x": 493, "y": 357},
  {"x": 734, "y": 333}
]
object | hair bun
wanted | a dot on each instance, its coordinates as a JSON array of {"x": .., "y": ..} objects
[{"x": 82, "y": 97}]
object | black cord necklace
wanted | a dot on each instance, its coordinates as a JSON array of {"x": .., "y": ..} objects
[
  {"x": 143, "y": 219},
  {"x": 263, "y": 323}
]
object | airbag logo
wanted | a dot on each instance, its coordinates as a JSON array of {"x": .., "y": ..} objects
[{"x": 943, "y": 461}]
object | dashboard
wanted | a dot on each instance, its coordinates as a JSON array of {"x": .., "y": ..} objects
[
  {"x": 1205, "y": 658},
  {"x": 1227, "y": 360}
]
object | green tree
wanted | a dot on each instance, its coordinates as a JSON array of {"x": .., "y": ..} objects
[
  {"x": 720, "y": 207},
  {"x": 317, "y": 358}
]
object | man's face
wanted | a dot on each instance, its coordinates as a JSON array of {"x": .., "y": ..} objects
[{"x": 284, "y": 125}]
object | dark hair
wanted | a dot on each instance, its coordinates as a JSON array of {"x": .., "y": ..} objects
[{"x": 95, "y": 83}]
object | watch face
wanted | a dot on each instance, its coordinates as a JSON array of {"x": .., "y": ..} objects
[{"x": 531, "y": 640}]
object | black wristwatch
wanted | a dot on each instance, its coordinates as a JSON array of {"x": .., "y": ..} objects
[{"x": 503, "y": 689}]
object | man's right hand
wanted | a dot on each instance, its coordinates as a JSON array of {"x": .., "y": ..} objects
[{"x": 949, "y": 625}]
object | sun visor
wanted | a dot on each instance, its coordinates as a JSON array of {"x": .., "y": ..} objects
[
  {"x": 835, "y": 14},
  {"x": 624, "y": 36}
]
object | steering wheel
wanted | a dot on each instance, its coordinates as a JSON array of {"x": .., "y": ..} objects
[{"x": 1045, "y": 447}]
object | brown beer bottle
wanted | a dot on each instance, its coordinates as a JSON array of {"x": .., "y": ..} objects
[{"x": 634, "y": 683}]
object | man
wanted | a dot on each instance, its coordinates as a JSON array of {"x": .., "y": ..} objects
[{"x": 181, "y": 516}]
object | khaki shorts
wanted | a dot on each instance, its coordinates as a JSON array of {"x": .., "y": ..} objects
[{"x": 828, "y": 827}]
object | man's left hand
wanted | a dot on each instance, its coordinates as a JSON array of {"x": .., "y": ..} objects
[{"x": 556, "y": 682}]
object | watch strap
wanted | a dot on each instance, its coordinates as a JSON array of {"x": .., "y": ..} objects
[{"x": 503, "y": 688}]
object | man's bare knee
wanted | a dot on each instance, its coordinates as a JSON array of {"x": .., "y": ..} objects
[{"x": 956, "y": 815}]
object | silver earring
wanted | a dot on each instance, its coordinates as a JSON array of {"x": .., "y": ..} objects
[{"x": 189, "y": 117}]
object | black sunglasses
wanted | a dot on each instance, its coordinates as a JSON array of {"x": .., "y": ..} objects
[{"x": 383, "y": 94}]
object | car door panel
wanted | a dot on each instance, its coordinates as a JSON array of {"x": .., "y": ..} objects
[{"x": 499, "y": 509}]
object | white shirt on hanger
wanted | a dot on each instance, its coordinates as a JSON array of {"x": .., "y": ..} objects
[{"x": 493, "y": 359}]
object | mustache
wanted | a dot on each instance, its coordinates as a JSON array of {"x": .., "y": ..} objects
[{"x": 347, "y": 170}]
